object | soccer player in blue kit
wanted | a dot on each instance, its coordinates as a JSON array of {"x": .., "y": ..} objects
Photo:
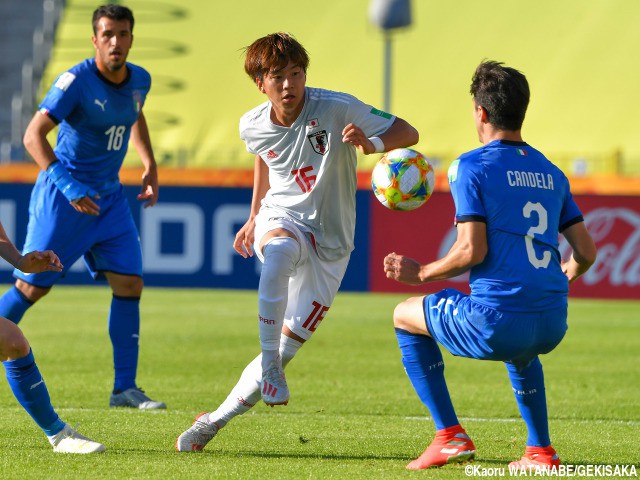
[
  {"x": 21, "y": 370},
  {"x": 511, "y": 204},
  {"x": 78, "y": 208}
]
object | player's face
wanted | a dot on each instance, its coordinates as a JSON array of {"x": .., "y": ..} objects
[
  {"x": 285, "y": 90},
  {"x": 112, "y": 42}
]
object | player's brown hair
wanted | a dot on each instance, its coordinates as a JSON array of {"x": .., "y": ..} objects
[
  {"x": 503, "y": 92},
  {"x": 112, "y": 12},
  {"x": 274, "y": 52}
]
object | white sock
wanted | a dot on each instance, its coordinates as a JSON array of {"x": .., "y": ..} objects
[
  {"x": 281, "y": 255},
  {"x": 246, "y": 393}
]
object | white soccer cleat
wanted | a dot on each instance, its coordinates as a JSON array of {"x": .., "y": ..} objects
[
  {"x": 70, "y": 441},
  {"x": 273, "y": 388},
  {"x": 197, "y": 437}
]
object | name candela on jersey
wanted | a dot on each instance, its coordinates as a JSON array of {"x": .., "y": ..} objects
[{"x": 517, "y": 178}]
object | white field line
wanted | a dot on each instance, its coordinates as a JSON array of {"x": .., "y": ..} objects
[
  {"x": 412, "y": 419},
  {"x": 513, "y": 420}
]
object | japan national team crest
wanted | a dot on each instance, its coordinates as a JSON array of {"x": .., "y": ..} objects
[{"x": 319, "y": 141}]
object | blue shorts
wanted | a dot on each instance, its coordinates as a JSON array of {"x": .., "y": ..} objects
[
  {"x": 108, "y": 242},
  {"x": 469, "y": 329}
]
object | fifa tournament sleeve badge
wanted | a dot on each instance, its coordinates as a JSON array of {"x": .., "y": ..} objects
[{"x": 319, "y": 141}]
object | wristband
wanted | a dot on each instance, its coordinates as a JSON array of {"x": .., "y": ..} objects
[
  {"x": 377, "y": 143},
  {"x": 70, "y": 188}
]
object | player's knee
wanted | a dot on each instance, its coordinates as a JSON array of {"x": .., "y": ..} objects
[
  {"x": 281, "y": 255},
  {"x": 31, "y": 292},
  {"x": 126, "y": 285},
  {"x": 399, "y": 316},
  {"x": 13, "y": 343},
  {"x": 409, "y": 316}
]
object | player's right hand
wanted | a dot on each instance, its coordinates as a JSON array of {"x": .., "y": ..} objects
[
  {"x": 86, "y": 205},
  {"x": 243, "y": 243}
]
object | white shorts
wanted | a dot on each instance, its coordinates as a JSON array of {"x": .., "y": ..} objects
[{"x": 315, "y": 282}]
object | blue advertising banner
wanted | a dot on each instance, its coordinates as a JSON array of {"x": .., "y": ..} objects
[{"x": 187, "y": 238}]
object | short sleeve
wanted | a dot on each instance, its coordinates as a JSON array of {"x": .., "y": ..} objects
[
  {"x": 570, "y": 214},
  {"x": 62, "y": 98},
  {"x": 465, "y": 189},
  {"x": 371, "y": 120}
]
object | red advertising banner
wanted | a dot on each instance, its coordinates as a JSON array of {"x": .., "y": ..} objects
[{"x": 427, "y": 233}]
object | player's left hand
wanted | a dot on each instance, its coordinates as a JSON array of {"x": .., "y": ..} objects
[
  {"x": 36, "y": 262},
  {"x": 402, "y": 269},
  {"x": 354, "y": 135},
  {"x": 149, "y": 190}
]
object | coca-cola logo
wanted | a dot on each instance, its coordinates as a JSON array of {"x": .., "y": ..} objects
[{"x": 616, "y": 232}]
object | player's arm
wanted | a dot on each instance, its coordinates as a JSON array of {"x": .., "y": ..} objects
[
  {"x": 469, "y": 249},
  {"x": 245, "y": 236},
  {"x": 32, "y": 262},
  {"x": 399, "y": 134},
  {"x": 142, "y": 143},
  {"x": 35, "y": 140},
  {"x": 584, "y": 251},
  {"x": 36, "y": 143}
]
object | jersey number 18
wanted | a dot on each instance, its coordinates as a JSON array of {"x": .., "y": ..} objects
[{"x": 116, "y": 136}]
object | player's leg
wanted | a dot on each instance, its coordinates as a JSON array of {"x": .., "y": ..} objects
[
  {"x": 244, "y": 396},
  {"x": 535, "y": 334},
  {"x": 282, "y": 253},
  {"x": 19, "y": 298},
  {"x": 528, "y": 388},
  {"x": 30, "y": 390},
  {"x": 116, "y": 254},
  {"x": 124, "y": 332},
  {"x": 311, "y": 293},
  {"x": 424, "y": 366}
]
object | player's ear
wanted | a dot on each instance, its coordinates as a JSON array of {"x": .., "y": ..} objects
[
  {"x": 481, "y": 113},
  {"x": 260, "y": 84}
]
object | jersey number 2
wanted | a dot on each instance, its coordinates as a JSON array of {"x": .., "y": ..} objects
[{"x": 540, "y": 228}]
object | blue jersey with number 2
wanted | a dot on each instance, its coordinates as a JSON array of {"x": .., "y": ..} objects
[
  {"x": 95, "y": 117},
  {"x": 525, "y": 202}
]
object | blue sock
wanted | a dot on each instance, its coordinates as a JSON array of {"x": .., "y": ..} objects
[
  {"x": 424, "y": 365},
  {"x": 528, "y": 387},
  {"x": 13, "y": 305},
  {"x": 31, "y": 392},
  {"x": 124, "y": 330}
]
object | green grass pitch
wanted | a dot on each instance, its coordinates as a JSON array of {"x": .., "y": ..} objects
[{"x": 352, "y": 414}]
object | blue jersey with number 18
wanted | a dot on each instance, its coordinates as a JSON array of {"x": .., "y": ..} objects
[
  {"x": 525, "y": 202},
  {"x": 95, "y": 118}
]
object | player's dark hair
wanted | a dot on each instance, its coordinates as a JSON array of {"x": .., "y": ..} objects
[
  {"x": 274, "y": 52},
  {"x": 112, "y": 12},
  {"x": 503, "y": 92}
]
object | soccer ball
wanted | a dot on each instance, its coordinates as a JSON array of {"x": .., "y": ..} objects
[{"x": 402, "y": 179}]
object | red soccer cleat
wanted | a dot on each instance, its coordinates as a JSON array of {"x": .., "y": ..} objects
[
  {"x": 535, "y": 458},
  {"x": 450, "y": 445}
]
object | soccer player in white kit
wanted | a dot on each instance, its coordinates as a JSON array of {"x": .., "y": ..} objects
[{"x": 303, "y": 210}]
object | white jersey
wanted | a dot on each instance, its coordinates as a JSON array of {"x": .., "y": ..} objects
[{"x": 312, "y": 173}]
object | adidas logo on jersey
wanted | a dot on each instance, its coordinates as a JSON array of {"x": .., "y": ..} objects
[{"x": 271, "y": 155}]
